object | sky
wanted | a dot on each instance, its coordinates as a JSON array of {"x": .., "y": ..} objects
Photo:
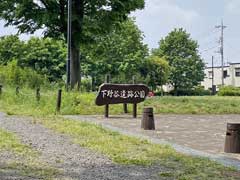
[{"x": 198, "y": 17}]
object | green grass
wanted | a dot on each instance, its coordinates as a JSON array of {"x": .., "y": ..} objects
[
  {"x": 129, "y": 150},
  {"x": 25, "y": 160},
  {"x": 84, "y": 103},
  {"x": 9, "y": 142},
  {"x": 120, "y": 148}
]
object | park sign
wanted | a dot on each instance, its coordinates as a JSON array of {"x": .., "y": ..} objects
[{"x": 121, "y": 94}]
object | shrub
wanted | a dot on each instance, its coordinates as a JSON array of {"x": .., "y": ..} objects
[
  {"x": 13, "y": 75},
  {"x": 86, "y": 84},
  {"x": 229, "y": 91},
  {"x": 196, "y": 91}
]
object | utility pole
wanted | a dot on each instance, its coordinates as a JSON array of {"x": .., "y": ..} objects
[
  {"x": 212, "y": 72},
  {"x": 222, "y": 27},
  {"x": 69, "y": 42},
  {"x": 213, "y": 86}
]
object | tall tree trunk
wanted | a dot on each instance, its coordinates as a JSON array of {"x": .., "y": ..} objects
[{"x": 75, "y": 73}]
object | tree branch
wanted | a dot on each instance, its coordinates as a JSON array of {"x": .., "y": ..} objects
[
  {"x": 62, "y": 16},
  {"x": 44, "y": 3}
]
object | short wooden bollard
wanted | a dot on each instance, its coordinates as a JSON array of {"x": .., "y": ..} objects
[
  {"x": 38, "y": 94},
  {"x": 148, "y": 119},
  {"x": 17, "y": 90},
  {"x": 59, "y": 100},
  {"x": 232, "y": 141},
  {"x": 125, "y": 108},
  {"x": 1, "y": 89}
]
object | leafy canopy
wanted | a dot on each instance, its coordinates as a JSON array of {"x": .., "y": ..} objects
[
  {"x": 158, "y": 71},
  {"x": 90, "y": 17},
  {"x": 120, "y": 53},
  {"x": 187, "y": 67},
  {"x": 45, "y": 55}
]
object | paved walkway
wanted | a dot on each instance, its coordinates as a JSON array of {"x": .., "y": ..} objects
[{"x": 202, "y": 135}]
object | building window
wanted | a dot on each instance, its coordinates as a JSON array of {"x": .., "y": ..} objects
[
  {"x": 237, "y": 72},
  {"x": 210, "y": 74},
  {"x": 225, "y": 74}
]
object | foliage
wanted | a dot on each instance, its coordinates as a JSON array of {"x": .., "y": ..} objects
[
  {"x": 196, "y": 91},
  {"x": 182, "y": 54},
  {"x": 11, "y": 48},
  {"x": 46, "y": 56},
  {"x": 86, "y": 84},
  {"x": 121, "y": 53},
  {"x": 90, "y": 18},
  {"x": 13, "y": 75},
  {"x": 229, "y": 91},
  {"x": 158, "y": 71}
]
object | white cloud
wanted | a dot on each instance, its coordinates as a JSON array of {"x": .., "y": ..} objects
[
  {"x": 160, "y": 17},
  {"x": 232, "y": 6}
]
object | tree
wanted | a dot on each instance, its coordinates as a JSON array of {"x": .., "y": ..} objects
[
  {"x": 45, "y": 55},
  {"x": 158, "y": 71},
  {"x": 90, "y": 17},
  {"x": 120, "y": 53},
  {"x": 187, "y": 68},
  {"x": 11, "y": 47}
]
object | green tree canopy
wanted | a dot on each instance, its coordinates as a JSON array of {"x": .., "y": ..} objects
[
  {"x": 187, "y": 67},
  {"x": 11, "y": 47},
  {"x": 120, "y": 53},
  {"x": 45, "y": 55},
  {"x": 90, "y": 17},
  {"x": 158, "y": 71}
]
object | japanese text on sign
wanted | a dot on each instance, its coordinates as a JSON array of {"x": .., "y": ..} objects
[{"x": 123, "y": 94}]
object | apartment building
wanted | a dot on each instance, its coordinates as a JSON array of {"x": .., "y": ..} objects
[{"x": 213, "y": 76}]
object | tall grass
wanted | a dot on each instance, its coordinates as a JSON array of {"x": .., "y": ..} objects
[{"x": 84, "y": 103}]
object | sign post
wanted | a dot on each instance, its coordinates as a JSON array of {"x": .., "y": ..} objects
[{"x": 121, "y": 94}]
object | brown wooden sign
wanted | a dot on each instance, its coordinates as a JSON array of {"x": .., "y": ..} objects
[{"x": 121, "y": 93}]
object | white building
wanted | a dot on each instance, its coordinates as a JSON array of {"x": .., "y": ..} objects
[{"x": 214, "y": 75}]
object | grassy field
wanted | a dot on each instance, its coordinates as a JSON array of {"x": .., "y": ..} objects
[
  {"x": 129, "y": 150},
  {"x": 120, "y": 148},
  {"x": 84, "y": 103},
  {"x": 24, "y": 160}
]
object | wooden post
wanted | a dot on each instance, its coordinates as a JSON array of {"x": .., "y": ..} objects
[
  {"x": 38, "y": 94},
  {"x": 107, "y": 111},
  {"x": 1, "y": 89},
  {"x": 134, "y": 110},
  {"x": 107, "y": 80},
  {"x": 17, "y": 90},
  {"x": 125, "y": 108},
  {"x": 134, "y": 105},
  {"x": 59, "y": 100}
]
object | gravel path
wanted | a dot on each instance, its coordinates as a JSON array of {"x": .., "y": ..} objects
[
  {"x": 195, "y": 135},
  {"x": 72, "y": 160}
]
